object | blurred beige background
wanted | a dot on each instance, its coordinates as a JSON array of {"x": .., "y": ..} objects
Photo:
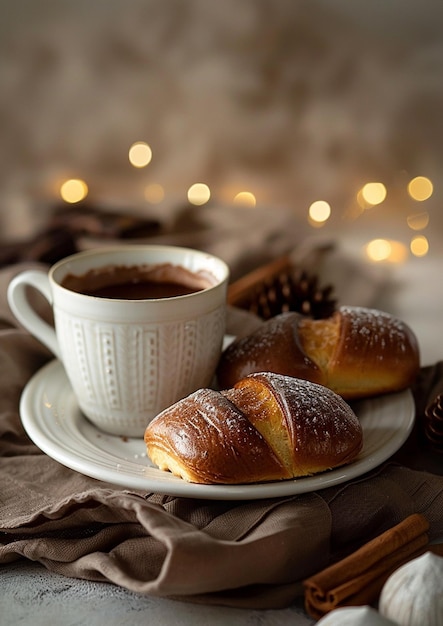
[{"x": 292, "y": 101}]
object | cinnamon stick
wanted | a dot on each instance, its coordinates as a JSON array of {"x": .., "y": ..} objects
[
  {"x": 245, "y": 287},
  {"x": 358, "y": 579}
]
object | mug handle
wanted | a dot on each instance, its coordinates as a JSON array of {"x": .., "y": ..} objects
[{"x": 24, "y": 312}]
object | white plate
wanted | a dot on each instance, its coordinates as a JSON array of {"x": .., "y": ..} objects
[{"x": 52, "y": 419}]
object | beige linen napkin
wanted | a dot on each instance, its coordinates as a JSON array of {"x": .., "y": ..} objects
[{"x": 250, "y": 554}]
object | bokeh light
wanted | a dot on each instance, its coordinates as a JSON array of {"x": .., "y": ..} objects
[
  {"x": 386, "y": 250},
  {"x": 319, "y": 212},
  {"x": 245, "y": 198},
  {"x": 420, "y": 188},
  {"x": 418, "y": 221},
  {"x": 74, "y": 190},
  {"x": 419, "y": 245},
  {"x": 373, "y": 193},
  {"x": 199, "y": 194},
  {"x": 140, "y": 154},
  {"x": 378, "y": 249},
  {"x": 154, "y": 193}
]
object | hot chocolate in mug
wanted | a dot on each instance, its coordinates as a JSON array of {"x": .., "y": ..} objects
[{"x": 137, "y": 327}]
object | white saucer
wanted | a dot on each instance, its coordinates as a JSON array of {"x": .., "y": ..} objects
[{"x": 52, "y": 419}]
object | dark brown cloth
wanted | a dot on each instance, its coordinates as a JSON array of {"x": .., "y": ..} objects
[{"x": 251, "y": 554}]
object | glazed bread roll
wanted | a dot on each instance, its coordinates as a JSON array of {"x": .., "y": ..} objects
[
  {"x": 357, "y": 352},
  {"x": 268, "y": 427}
]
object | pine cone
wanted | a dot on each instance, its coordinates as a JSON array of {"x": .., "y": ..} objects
[
  {"x": 279, "y": 287},
  {"x": 296, "y": 291},
  {"x": 433, "y": 423}
]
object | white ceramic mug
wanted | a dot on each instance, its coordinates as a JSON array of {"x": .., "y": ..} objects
[{"x": 129, "y": 359}]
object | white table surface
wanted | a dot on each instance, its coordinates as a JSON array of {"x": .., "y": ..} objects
[{"x": 31, "y": 595}]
